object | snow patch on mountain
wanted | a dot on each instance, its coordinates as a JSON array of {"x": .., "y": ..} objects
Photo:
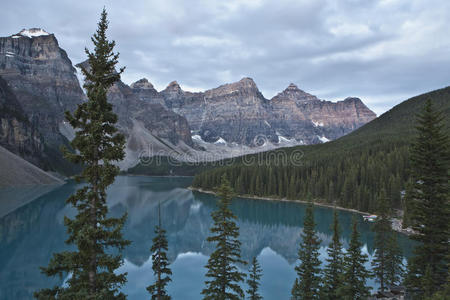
[
  {"x": 33, "y": 32},
  {"x": 197, "y": 138},
  {"x": 80, "y": 77},
  {"x": 323, "y": 139},
  {"x": 282, "y": 139},
  {"x": 220, "y": 141},
  {"x": 317, "y": 124}
]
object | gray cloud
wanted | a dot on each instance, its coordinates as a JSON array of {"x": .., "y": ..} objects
[{"x": 381, "y": 51}]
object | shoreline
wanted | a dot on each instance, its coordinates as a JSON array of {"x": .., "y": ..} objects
[
  {"x": 395, "y": 221},
  {"x": 164, "y": 176}
]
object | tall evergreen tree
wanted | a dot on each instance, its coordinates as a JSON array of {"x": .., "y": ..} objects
[
  {"x": 309, "y": 269},
  {"x": 253, "y": 280},
  {"x": 98, "y": 145},
  {"x": 160, "y": 264},
  {"x": 430, "y": 216},
  {"x": 355, "y": 273},
  {"x": 394, "y": 261},
  {"x": 332, "y": 273},
  {"x": 382, "y": 229},
  {"x": 222, "y": 269}
]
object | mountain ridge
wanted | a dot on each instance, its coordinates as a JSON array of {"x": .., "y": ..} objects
[{"x": 230, "y": 120}]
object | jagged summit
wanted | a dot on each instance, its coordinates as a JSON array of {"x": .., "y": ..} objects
[
  {"x": 143, "y": 84},
  {"x": 31, "y": 33},
  {"x": 292, "y": 87},
  {"x": 293, "y": 93},
  {"x": 247, "y": 80},
  {"x": 244, "y": 86},
  {"x": 173, "y": 86},
  {"x": 352, "y": 99}
]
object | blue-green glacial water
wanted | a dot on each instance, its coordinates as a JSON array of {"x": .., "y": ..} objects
[{"x": 269, "y": 230}]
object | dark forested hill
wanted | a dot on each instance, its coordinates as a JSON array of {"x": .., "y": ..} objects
[{"x": 350, "y": 170}]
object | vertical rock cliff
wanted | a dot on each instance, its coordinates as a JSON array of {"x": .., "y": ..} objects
[
  {"x": 17, "y": 134},
  {"x": 43, "y": 79}
]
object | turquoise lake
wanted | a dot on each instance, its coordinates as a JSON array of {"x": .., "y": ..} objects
[{"x": 269, "y": 230}]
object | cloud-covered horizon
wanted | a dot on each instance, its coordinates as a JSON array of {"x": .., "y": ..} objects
[{"x": 380, "y": 51}]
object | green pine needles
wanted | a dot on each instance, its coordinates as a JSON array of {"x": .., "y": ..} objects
[
  {"x": 97, "y": 237},
  {"x": 355, "y": 273},
  {"x": 307, "y": 285},
  {"x": 225, "y": 278},
  {"x": 387, "y": 262},
  {"x": 254, "y": 277},
  {"x": 430, "y": 204},
  {"x": 160, "y": 265},
  {"x": 382, "y": 229},
  {"x": 332, "y": 273},
  {"x": 395, "y": 268}
]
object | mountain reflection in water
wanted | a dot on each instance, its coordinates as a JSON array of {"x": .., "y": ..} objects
[{"x": 268, "y": 229}]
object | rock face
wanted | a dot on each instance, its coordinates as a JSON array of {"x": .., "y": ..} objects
[
  {"x": 136, "y": 104},
  {"x": 40, "y": 84},
  {"x": 233, "y": 112},
  {"x": 145, "y": 91},
  {"x": 150, "y": 128},
  {"x": 190, "y": 105},
  {"x": 42, "y": 78},
  {"x": 17, "y": 134},
  {"x": 239, "y": 113},
  {"x": 302, "y": 116}
]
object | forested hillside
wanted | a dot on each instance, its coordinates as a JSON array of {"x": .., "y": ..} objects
[{"x": 349, "y": 171}]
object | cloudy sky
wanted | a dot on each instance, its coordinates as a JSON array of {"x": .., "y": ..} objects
[{"x": 381, "y": 51}]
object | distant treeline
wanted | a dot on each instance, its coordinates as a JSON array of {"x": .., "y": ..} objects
[{"x": 350, "y": 180}]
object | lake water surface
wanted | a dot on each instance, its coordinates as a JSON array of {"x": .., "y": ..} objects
[{"x": 269, "y": 230}]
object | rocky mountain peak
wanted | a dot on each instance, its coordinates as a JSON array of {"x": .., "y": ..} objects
[
  {"x": 352, "y": 99},
  {"x": 248, "y": 82},
  {"x": 173, "y": 86},
  {"x": 244, "y": 86},
  {"x": 292, "y": 87},
  {"x": 293, "y": 93},
  {"x": 359, "y": 106},
  {"x": 31, "y": 33},
  {"x": 142, "y": 84}
]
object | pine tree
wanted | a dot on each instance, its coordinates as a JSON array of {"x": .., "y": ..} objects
[
  {"x": 382, "y": 229},
  {"x": 430, "y": 216},
  {"x": 394, "y": 261},
  {"x": 355, "y": 273},
  {"x": 98, "y": 146},
  {"x": 407, "y": 205},
  {"x": 295, "y": 291},
  {"x": 332, "y": 273},
  {"x": 309, "y": 269},
  {"x": 160, "y": 263},
  {"x": 253, "y": 280},
  {"x": 222, "y": 269}
]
